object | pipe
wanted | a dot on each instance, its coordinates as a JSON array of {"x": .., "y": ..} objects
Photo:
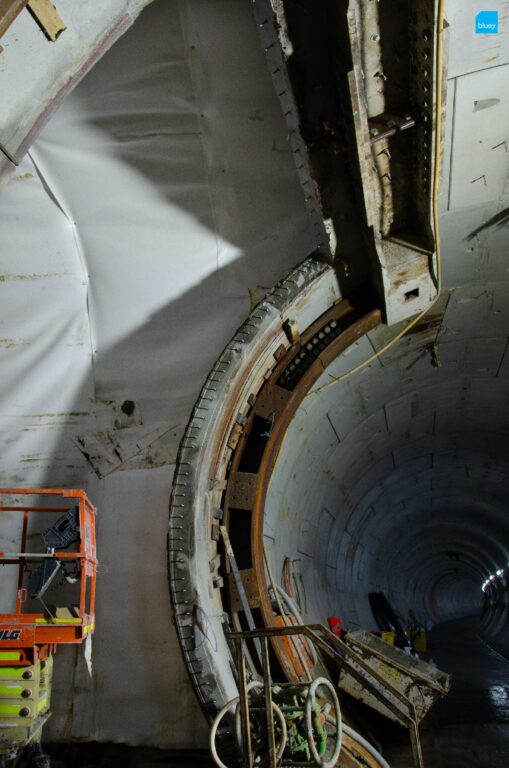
[
  {"x": 367, "y": 746},
  {"x": 283, "y": 614}
]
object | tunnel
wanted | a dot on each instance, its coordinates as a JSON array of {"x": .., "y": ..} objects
[
  {"x": 360, "y": 459},
  {"x": 351, "y": 437}
]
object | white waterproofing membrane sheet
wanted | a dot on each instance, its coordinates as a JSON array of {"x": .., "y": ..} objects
[{"x": 156, "y": 206}]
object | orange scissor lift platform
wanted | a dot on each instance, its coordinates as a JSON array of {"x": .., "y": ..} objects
[{"x": 29, "y": 637}]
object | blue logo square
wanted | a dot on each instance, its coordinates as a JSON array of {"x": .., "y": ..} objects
[{"x": 486, "y": 23}]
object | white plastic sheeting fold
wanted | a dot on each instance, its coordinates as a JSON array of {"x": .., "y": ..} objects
[
  {"x": 155, "y": 207},
  {"x": 36, "y": 74}
]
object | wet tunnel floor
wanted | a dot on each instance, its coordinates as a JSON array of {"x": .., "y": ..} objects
[{"x": 470, "y": 726}]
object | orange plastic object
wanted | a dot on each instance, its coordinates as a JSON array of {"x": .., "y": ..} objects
[
  {"x": 24, "y": 637},
  {"x": 289, "y": 643}
]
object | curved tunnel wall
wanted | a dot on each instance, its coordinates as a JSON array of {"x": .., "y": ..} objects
[
  {"x": 392, "y": 479},
  {"x": 494, "y": 624},
  {"x": 395, "y": 480}
]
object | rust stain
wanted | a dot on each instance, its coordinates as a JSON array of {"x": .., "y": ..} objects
[
  {"x": 6, "y": 278},
  {"x": 429, "y": 323},
  {"x": 50, "y": 425},
  {"x": 23, "y": 176},
  {"x": 55, "y": 415},
  {"x": 11, "y": 343}
]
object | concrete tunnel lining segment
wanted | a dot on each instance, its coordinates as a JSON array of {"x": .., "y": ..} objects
[{"x": 368, "y": 483}]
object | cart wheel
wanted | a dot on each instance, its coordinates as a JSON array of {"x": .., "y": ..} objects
[
  {"x": 235, "y": 703},
  {"x": 258, "y": 726},
  {"x": 313, "y": 710}
]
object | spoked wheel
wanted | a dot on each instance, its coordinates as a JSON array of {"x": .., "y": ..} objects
[
  {"x": 323, "y": 723},
  {"x": 258, "y": 726}
]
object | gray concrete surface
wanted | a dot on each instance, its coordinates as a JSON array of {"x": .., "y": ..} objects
[{"x": 469, "y": 728}]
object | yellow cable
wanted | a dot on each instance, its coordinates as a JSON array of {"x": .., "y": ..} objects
[
  {"x": 436, "y": 179},
  {"x": 438, "y": 137}
]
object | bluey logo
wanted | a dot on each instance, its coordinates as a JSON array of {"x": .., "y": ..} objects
[{"x": 486, "y": 23}]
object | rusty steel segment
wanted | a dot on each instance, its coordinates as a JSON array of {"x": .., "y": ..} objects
[
  {"x": 271, "y": 402},
  {"x": 393, "y": 104},
  {"x": 371, "y": 129},
  {"x": 315, "y": 340},
  {"x": 277, "y": 405},
  {"x": 246, "y": 608},
  {"x": 203, "y": 461},
  {"x": 348, "y": 337},
  {"x": 367, "y": 100},
  {"x": 9, "y": 10},
  {"x": 249, "y": 582},
  {"x": 398, "y": 97},
  {"x": 242, "y": 490},
  {"x": 370, "y": 190}
]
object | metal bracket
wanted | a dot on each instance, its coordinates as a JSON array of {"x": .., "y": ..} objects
[{"x": 384, "y": 125}]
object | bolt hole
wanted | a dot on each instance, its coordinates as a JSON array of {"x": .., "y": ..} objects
[
  {"x": 127, "y": 407},
  {"x": 409, "y": 295}
]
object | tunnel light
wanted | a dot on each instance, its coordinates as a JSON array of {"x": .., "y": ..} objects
[{"x": 493, "y": 576}]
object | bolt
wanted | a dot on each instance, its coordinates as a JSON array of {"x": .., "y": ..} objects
[
  {"x": 375, "y": 38},
  {"x": 380, "y": 74},
  {"x": 24, "y": 712},
  {"x": 26, "y": 693},
  {"x": 28, "y": 674},
  {"x": 374, "y": 131}
]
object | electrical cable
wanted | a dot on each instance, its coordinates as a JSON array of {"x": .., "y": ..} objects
[
  {"x": 286, "y": 622},
  {"x": 338, "y": 722},
  {"x": 292, "y": 605},
  {"x": 367, "y": 746},
  {"x": 436, "y": 179}
]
